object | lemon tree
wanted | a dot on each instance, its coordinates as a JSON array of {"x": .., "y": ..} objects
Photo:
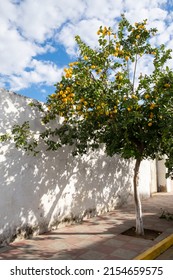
[{"x": 103, "y": 99}]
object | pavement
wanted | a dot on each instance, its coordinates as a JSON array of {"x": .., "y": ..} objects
[
  {"x": 167, "y": 255},
  {"x": 98, "y": 238}
]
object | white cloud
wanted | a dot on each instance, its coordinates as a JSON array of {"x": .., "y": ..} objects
[
  {"x": 44, "y": 70},
  {"x": 86, "y": 29},
  {"x": 41, "y": 72},
  {"x": 29, "y": 28},
  {"x": 38, "y": 19},
  {"x": 153, "y": 14},
  {"x": 144, "y": 4},
  {"x": 105, "y": 10},
  {"x": 15, "y": 52},
  {"x": 169, "y": 31},
  {"x": 24, "y": 30},
  {"x": 7, "y": 10}
]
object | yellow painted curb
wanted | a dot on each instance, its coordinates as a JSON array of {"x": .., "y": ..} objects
[{"x": 156, "y": 250}]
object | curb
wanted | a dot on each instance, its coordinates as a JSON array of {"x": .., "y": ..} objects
[{"x": 156, "y": 250}]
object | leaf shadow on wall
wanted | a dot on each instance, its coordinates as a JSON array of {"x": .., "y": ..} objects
[{"x": 38, "y": 193}]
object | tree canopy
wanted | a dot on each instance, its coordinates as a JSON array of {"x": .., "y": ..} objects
[{"x": 102, "y": 100}]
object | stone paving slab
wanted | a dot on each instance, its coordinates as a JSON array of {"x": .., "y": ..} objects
[{"x": 97, "y": 238}]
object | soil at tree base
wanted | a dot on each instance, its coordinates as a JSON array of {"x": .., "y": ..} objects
[{"x": 149, "y": 234}]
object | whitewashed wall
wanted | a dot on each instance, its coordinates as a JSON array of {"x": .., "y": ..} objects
[
  {"x": 38, "y": 193},
  {"x": 164, "y": 185}
]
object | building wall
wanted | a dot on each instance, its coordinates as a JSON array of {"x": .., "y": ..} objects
[
  {"x": 42, "y": 192},
  {"x": 164, "y": 184}
]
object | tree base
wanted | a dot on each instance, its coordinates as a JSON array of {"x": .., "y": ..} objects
[{"x": 149, "y": 234}]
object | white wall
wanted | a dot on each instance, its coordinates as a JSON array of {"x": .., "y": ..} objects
[
  {"x": 37, "y": 193},
  {"x": 164, "y": 184}
]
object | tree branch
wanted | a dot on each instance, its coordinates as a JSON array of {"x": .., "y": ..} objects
[{"x": 134, "y": 75}]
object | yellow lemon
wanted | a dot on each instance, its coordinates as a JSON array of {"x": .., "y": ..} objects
[
  {"x": 68, "y": 75},
  {"x": 78, "y": 107},
  {"x": 121, "y": 52},
  {"x": 71, "y": 64},
  {"x": 64, "y": 100},
  {"x": 116, "y": 54},
  {"x": 167, "y": 85},
  {"x": 147, "y": 96},
  {"x": 119, "y": 77},
  {"x": 151, "y": 115},
  {"x": 98, "y": 71},
  {"x": 152, "y": 106}
]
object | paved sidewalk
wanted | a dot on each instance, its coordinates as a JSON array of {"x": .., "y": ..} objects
[{"x": 97, "y": 238}]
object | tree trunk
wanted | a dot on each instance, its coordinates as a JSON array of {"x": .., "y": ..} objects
[{"x": 138, "y": 207}]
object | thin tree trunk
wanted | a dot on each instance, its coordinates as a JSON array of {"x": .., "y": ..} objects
[{"x": 138, "y": 207}]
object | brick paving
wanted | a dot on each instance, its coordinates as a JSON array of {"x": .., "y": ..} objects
[{"x": 97, "y": 238}]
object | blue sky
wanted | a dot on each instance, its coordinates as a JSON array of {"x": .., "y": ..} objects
[{"x": 37, "y": 36}]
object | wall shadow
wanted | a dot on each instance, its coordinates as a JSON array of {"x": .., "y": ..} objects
[{"x": 38, "y": 193}]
